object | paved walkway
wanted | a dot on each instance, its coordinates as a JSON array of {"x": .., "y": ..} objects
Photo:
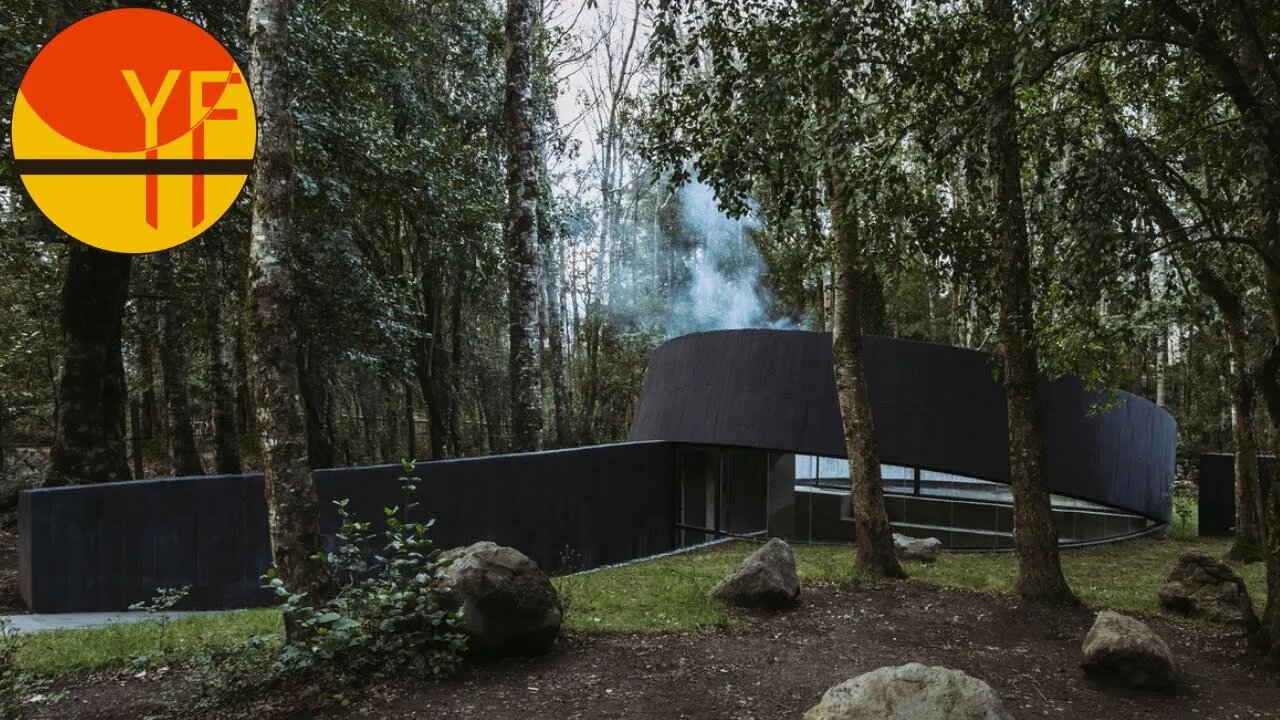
[{"x": 69, "y": 621}]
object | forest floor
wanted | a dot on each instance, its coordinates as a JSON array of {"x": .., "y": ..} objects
[
  {"x": 772, "y": 666},
  {"x": 644, "y": 641},
  {"x": 10, "y": 601}
]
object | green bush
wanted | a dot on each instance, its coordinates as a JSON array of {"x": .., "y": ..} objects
[
  {"x": 1185, "y": 503},
  {"x": 11, "y": 680},
  {"x": 386, "y": 616}
]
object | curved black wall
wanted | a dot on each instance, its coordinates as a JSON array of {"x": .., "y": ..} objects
[{"x": 934, "y": 406}]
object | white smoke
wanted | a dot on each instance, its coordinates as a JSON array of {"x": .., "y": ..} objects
[{"x": 727, "y": 288}]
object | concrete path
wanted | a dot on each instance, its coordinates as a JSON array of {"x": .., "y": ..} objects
[{"x": 70, "y": 621}]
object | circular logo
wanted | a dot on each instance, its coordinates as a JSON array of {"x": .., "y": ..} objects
[{"x": 133, "y": 130}]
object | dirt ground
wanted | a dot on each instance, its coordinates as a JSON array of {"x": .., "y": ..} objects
[{"x": 777, "y": 666}]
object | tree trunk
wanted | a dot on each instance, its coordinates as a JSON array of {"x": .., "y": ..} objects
[
  {"x": 1247, "y": 543},
  {"x": 389, "y": 427},
  {"x": 1269, "y": 388},
  {"x": 292, "y": 511},
  {"x": 410, "y": 424},
  {"x": 1232, "y": 64},
  {"x": 1034, "y": 535},
  {"x": 89, "y": 445},
  {"x": 521, "y": 230},
  {"x": 317, "y": 406},
  {"x": 431, "y": 362},
  {"x": 453, "y": 438},
  {"x": 873, "y": 534},
  {"x": 147, "y": 379},
  {"x": 135, "y": 438},
  {"x": 184, "y": 456},
  {"x": 555, "y": 320},
  {"x": 226, "y": 436},
  {"x": 244, "y": 396}
]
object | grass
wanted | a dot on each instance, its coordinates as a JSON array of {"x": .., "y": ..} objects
[
  {"x": 58, "y": 651},
  {"x": 666, "y": 594},
  {"x": 671, "y": 593}
]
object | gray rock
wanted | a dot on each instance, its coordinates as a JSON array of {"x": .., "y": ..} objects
[
  {"x": 1120, "y": 650},
  {"x": 921, "y": 549},
  {"x": 509, "y": 605},
  {"x": 766, "y": 579},
  {"x": 910, "y": 692},
  {"x": 1207, "y": 588}
]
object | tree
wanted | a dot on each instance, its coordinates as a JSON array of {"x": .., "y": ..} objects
[
  {"x": 1034, "y": 534},
  {"x": 1237, "y": 50},
  {"x": 754, "y": 119},
  {"x": 184, "y": 456},
  {"x": 90, "y": 442},
  {"x": 873, "y": 535},
  {"x": 521, "y": 233},
  {"x": 292, "y": 508},
  {"x": 226, "y": 432}
]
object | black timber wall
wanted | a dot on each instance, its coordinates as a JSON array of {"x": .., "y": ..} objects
[
  {"x": 935, "y": 407},
  {"x": 103, "y": 547},
  {"x": 1217, "y": 491}
]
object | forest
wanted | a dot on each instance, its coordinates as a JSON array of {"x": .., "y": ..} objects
[
  {"x": 398, "y": 213},
  {"x": 470, "y": 222}
]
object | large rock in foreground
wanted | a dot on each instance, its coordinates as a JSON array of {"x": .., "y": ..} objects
[
  {"x": 921, "y": 549},
  {"x": 1204, "y": 587},
  {"x": 1120, "y": 650},
  {"x": 766, "y": 579},
  {"x": 509, "y": 605},
  {"x": 910, "y": 692}
]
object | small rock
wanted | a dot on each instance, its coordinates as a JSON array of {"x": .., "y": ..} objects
[
  {"x": 910, "y": 692},
  {"x": 509, "y": 605},
  {"x": 766, "y": 579},
  {"x": 921, "y": 549},
  {"x": 1207, "y": 588},
  {"x": 1123, "y": 651}
]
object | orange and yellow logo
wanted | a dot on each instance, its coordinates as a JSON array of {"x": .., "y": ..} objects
[{"x": 134, "y": 130}]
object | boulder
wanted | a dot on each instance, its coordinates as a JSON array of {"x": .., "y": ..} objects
[
  {"x": 921, "y": 549},
  {"x": 766, "y": 579},
  {"x": 1120, "y": 650},
  {"x": 1204, "y": 587},
  {"x": 910, "y": 692},
  {"x": 509, "y": 605}
]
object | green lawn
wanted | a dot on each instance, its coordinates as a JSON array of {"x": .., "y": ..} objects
[
  {"x": 671, "y": 593},
  {"x": 665, "y": 594},
  {"x": 148, "y": 643}
]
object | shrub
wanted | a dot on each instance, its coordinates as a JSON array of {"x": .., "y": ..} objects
[
  {"x": 386, "y": 616},
  {"x": 11, "y": 681},
  {"x": 164, "y": 600},
  {"x": 570, "y": 564},
  {"x": 1185, "y": 499}
]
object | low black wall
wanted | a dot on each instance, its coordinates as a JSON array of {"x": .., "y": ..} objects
[
  {"x": 1217, "y": 493},
  {"x": 103, "y": 547}
]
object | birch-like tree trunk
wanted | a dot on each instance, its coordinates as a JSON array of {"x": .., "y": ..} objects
[
  {"x": 554, "y": 314},
  {"x": 522, "y": 230},
  {"x": 184, "y": 456},
  {"x": 1035, "y": 537},
  {"x": 1247, "y": 542},
  {"x": 292, "y": 512},
  {"x": 89, "y": 446},
  {"x": 873, "y": 534}
]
